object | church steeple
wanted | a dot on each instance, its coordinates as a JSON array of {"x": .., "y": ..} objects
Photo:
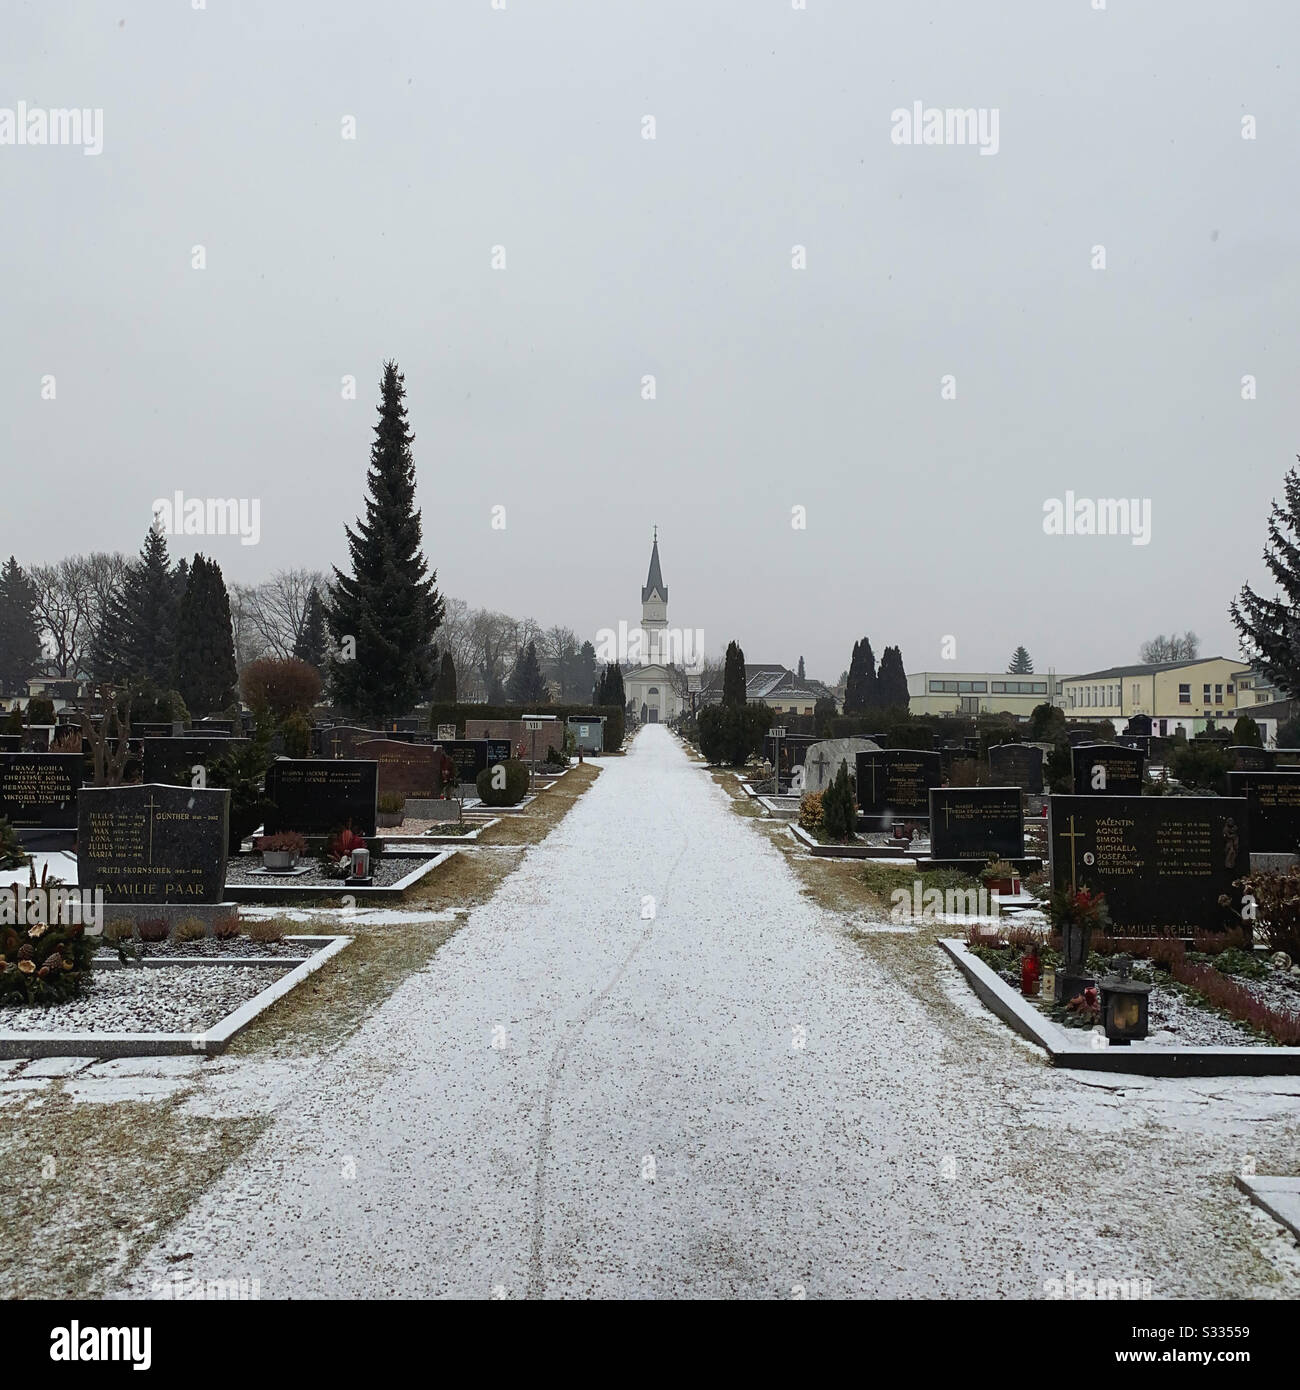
[{"x": 654, "y": 583}]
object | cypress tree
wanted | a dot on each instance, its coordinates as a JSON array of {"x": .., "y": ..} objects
[
  {"x": 585, "y": 674},
  {"x": 1270, "y": 627},
  {"x": 444, "y": 691},
  {"x": 205, "y": 644},
  {"x": 527, "y": 684},
  {"x": 20, "y": 638},
  {"x": 311, "y": 645},
  {"x": 1021, "y": 663},
  {"x": 891, "y": 681},
  {"x": 860, "y": 689},
  {"x": 383, "y": 616},
  {"x": 733, "y": 676},
  {"x": 138, "y": 639}
]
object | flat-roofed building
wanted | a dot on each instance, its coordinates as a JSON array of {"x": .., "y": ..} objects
[{"x": 981, "y": 692}]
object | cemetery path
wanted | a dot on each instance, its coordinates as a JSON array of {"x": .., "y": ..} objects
[{"x": 728, "y": 1097}]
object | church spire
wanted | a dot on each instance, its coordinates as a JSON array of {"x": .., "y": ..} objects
[{"x": 654, "y": 580}]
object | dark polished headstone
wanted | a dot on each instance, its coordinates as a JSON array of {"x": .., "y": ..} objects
[
  {"x": 38, "y": 792},
  {"x": 472, "y": 755},
  {"x": 1161, "y": 861},
  {"x": 153, "y": 845},
  {"x": 173, "y": 760},
  {"x": 1107, "y": 769},
  {"x": 976, "y": 823},
  {"x": 1017, "y": 765},
  {"x": 896, "y": 782},
  {"x": 316, "y": 796},
  {"x": 1247, "y": 758},
  {"x": 1272, "y": 809},
  {"x": 406, "y": 769}
]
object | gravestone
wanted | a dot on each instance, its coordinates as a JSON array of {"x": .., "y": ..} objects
[
  {"x": 1272, "y": 809},
  {"x": 213, "y": 726},
  {"x": 407, "y": 769},
  {"x": 1161, "y": 861},
  {"x": 822, "y": 760},
  {"x": 340, "y": 741},
  {"x": 1106, "y": 769},
  {"x": 38, "y": 797},
  {"x": 37, "y": 738},
  {"x": 155, "y": 851},
  {"x": 896, "y": 782},
  {"x": 472, "y": 755},
  {"x": 976, "y": 823},
  {"x": 1247, "y": 758},
  {"x": 1017, "y": 765},
  {"x": 11, "y": 743},
  {"x": 173, "y": 760},
  {"x": 317, "y": 796},
  {"x": 157, "y": 729},
  {"x": 794, "y": 749}
]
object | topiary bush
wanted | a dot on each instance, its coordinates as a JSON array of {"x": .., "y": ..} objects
[
  {"x": 839, "y": 814},
  {"x": 190, "y": 929},
  {"x": 496, "y": 790}
]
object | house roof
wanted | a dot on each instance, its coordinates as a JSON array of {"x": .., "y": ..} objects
[
  {"x": 654, "y": 580},
  {"x": 1149, "y": 669}
]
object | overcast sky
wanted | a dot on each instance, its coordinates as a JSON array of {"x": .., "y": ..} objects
[{"x": 776, "y": 388}]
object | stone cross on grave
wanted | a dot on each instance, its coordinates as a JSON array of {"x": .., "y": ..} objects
[
  {"x": 151, "y": 806},
  {"x": 821, "y": 762}
]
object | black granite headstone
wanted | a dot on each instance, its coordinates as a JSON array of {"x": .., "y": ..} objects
[
  {"x": 1272, "y": 809},
  {"x": 316, "y": 796},
  {"x": 472, "y": 755},
  {"x": 153, "y": 845},
  {"x": 1106, "y": 769},
  {"x": 173, "y": 760},
  {"x": 38, "y": 791},
  {"x": 1161, "y": 861},
  {"x": 11, "y": 743},
  {"x": 1017, "y": 765},
  {"x": 976, "y": 823},
  {"x": 896, "y": 782},
  {"x": 1247, "y": 758}
]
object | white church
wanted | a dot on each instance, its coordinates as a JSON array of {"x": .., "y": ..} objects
[{"x": 650, "y": 688}]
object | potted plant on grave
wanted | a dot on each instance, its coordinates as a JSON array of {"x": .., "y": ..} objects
[
  {"x": 338, "y": 853},
  {"x": 998, "y": 876},
  {"x": 280, "y": 852},
  {"x": 390, "y": 809}
]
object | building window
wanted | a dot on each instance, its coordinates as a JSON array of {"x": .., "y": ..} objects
[
  {"x": 1218, "y": 694},
  {"x": 1205, "y": 694},
  {"x": 1184, "y": 694}
]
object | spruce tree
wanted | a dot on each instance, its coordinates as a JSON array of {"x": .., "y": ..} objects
[
  {"x": 891, "y": 681},
  {"x": 444, "y": 691},
  {"x": 138, "y": 639},
  {"x": 585, "y": 674},
  {"x": 205, "y": 644},
  {"x": 1021, "y": 663},
  {"x": 860, "y": 689},
  {"x": 527, "y": 684},
  {"x": 312, "y": 644},
  {"x": 1270, "y": 627},
  {"x": 733, "y": 676},
  {"x": 383, "y": 616},
  {"x": 20, "y": 638}
]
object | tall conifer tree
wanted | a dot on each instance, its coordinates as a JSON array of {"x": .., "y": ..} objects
[
  {"x": 205, "y": 644},
  {"x": 383, "y": 616},
  {"x": 891, "y": 681},
  {"x": 733, "y": 676},
  {"x": 138, "y": 639},
  {"x": 20, "y": 639}
]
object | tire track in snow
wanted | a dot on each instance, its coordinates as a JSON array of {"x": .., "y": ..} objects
[{"x": 536, "y": 1276}]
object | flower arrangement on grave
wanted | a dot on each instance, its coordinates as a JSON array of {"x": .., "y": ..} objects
[
  {"x": 338, "y": 853},
  {"x": 1271, "y": 903},
  {"x": 41, "y": 961},
  {"x": 1076, "y": 915},
  {"x": 448, "y": 778},
  {"x": 391, "y": 807},
  {"x": 281, "y": 851},
  {"x": 1087, "y": 1005},
  {"x": 998, "y": 876}
]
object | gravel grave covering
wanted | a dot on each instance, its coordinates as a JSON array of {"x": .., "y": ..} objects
[
  {"x": 210, "y": 946},
  {"x": 386, "y": 870},
  {"x": 168, "y": 999}
]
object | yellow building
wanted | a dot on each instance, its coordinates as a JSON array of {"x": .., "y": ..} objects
[
  {"x": 982, "y": 692},
  {"x": 1175, "y": 694}
]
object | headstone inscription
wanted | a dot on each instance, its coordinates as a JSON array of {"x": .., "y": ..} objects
[
  {"x": 896, "y": 782},
  {"x": 1106, "y": 769},
  {"x": 1272, "y": 809},
  {"x": 317, "y": 796},
  {"x": 406, "y": 769},
  {"x": 976, "y": 823},
  {"x": 1161, "y": 861},
  {"x": 1017, "y": 765},
  {"x": 175, "y": 760},
  {"x": 472, "y": 755},
  {"x": 153, "y": 845},
  {"x": 1247, "y": 758},
  {"x": 38, "y": 793}
]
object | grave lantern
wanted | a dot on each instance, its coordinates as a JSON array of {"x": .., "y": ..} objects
[
  {"x": 360, "y": 864},
  {"x": 1123, "y": 1004}
]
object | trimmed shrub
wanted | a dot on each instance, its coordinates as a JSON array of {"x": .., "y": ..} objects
[
  {"x": 839, "y": 813},
  {"x": 512, "y": 793},
  {"x": 731, "y": 733},
  {"x": 224, "y": 928},
  {"x": 267, "y": 929},
  {"x": 296, "y": 730},
  {"x": 810, "y": 811}
]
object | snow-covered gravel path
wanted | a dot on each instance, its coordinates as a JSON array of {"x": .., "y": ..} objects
[{"x": 730, "y": 1098}]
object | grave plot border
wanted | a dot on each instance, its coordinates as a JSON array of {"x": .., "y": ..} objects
[
  {"x": 1063, "y": 1050},
  {"x": 290, "y": 893},
  {"x": 215, "y": 1040}
]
